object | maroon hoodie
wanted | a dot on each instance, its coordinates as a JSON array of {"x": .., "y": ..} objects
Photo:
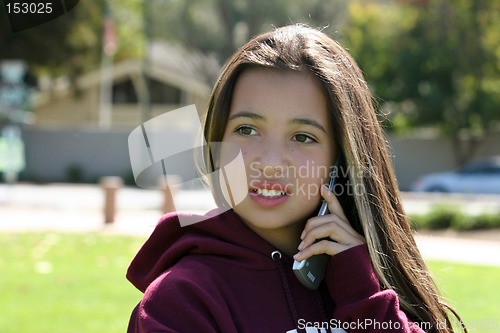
[{"x": 220, "y": 276}]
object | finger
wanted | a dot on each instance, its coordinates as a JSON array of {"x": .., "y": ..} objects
[
  {"x": 329, "y": 229},
  {"x": 335, "y": 208},
  {"x": 333, "y": 203},
  {"x": 329, "y": 218},
  {"x": 321, "y": 247},
  {"x": 332, "y": 228}
]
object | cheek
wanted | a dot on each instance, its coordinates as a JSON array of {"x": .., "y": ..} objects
[
  {"x": 309, "y": 176},
  {"x": 314, "y": 168},
  {"x": 226, "y": 151},
  {"x": 249, "y": 158},
  {"x": 232, "y": 175}
]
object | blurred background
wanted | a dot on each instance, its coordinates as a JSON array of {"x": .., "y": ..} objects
[
  {"x": 87, "y": 78},
  {"x": 73, "y": 89}
]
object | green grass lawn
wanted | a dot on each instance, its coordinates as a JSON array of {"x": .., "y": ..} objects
[
  {"x": 65, "y": 282},
  {"x": 52, "y": 282},
  {"x": 473, "y": 291}
]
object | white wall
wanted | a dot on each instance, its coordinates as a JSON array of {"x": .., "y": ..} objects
[
  {"x": 49, "y": 154},
  {"x": 414, "y": 157}
]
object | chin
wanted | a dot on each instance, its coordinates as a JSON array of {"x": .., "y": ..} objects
[{"x": 273, "y": 218}]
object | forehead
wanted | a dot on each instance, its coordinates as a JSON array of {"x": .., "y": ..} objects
[{"x": 285, "y": 92}]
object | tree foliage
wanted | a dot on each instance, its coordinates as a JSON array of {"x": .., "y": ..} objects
[
  {"x": 433, "y": 63},
  {"x": 221, "y": 26},
  {"x": 72, "y": 43},
  {"x": 61, "y": 44}
]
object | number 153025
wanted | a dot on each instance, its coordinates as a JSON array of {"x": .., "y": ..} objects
[{"x": 29, "y": 7}]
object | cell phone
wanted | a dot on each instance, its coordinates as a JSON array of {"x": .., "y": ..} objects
[{"x": 311, "y": 271}]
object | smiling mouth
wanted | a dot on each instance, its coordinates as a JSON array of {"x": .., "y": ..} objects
[{"x": 269, "y": 193}]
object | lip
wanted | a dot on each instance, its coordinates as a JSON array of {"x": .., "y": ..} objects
[{"x": 268, "y": 185}]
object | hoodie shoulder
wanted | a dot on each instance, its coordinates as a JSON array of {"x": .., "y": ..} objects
[
  {"x": 158, "y": 252},
  {"x": 217, "y": 234},
  {"x": 190, "y": 289}
]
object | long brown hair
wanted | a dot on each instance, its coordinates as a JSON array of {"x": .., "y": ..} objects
[{"x": 376, "y": 211}]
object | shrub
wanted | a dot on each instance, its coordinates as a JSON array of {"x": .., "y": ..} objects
[
  {"x": 443, "y": 217},
  {"x": 440, "y": 217},
  {"x": 475, "y": 222},
  {"x": 74, "y": 174}
]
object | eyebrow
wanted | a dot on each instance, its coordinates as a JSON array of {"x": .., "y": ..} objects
[
  {"x": 310, "y": 122},
  {"x": 245, "y": 114},
  {"x": 296, "y": 121}
]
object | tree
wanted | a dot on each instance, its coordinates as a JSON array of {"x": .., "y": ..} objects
[
  {"x": 221, "y": 26},
  {"x": 54, "y": 45},
  {"x": 441, "y": 66},
  {"x": 72, "y": 43}
]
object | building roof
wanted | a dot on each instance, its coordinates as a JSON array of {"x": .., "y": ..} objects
[{"x": 189, "y": 70}]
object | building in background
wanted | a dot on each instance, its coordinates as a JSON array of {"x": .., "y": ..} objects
[
  {"x": 66, "y": 142},
  {"x": 176, "y": 77}
]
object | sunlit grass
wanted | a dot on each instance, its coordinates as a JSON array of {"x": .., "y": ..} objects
[
  {"x": 65, "y": 282},
  {"x": 54, "y": 282},
  {"x": 473, "y": 291}
]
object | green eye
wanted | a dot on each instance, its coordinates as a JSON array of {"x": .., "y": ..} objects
[
  {"x": 245, "y": 130},
  {"x": 303, "y": 138}
]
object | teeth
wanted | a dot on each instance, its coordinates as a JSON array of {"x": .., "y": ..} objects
[{"x": 269, "y": 193}]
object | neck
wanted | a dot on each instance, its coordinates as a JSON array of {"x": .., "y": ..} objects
[{"x": 285, "y": 239}]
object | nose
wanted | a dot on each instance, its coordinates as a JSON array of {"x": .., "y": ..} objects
[{"x": 274, "y": 159}]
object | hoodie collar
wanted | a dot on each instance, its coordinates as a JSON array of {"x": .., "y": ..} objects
[{"x": 223, "y": 235}]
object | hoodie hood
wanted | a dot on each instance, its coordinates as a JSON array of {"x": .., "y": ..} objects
[{"x": 223, "y": 235}]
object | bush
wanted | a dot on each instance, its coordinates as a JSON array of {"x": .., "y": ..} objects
[
  {"x": 128, "y": 178},
  {"x": 74, "y": 174},
  {"x": 443, "y": 217},
  {"x": 440, "y": 217},
  {"x": 475, "y": 222}
]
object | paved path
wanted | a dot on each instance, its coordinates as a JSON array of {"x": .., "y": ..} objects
[
  {"x": 464, "y": 249},
  {"x": 78, "y": 208}
]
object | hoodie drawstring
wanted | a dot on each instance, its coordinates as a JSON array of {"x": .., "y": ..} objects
[
  {"x": 321, "y": 306},
  {"x": 276, "y": 255}
]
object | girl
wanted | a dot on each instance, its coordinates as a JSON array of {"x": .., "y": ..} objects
[{"x": 294, "y": 102}]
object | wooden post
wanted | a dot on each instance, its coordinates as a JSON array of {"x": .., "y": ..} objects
[
  {"x": 168, "y": 192},
  {"x": 110, "y": 186}
]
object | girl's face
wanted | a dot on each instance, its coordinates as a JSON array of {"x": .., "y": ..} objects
[{"x": 279, "y": 120}]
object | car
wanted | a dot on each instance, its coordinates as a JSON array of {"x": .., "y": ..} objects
[{"x": 478, "y": 176}]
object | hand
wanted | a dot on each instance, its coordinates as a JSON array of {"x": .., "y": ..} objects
[{"x": 333, "y": 229}]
